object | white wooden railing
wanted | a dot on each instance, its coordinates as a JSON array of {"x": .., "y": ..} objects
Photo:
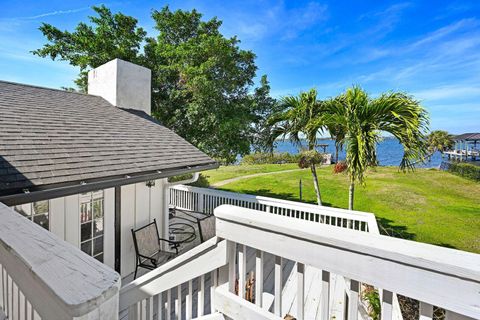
[
  {"x": 433, "y": 275},
  {"x": 160, "y": 293},
  {"x": 43, "y": 277},
  {"x": 205, "y": 200}
]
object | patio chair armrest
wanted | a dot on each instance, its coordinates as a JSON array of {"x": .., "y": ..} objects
[{"x": 175, "y": 244}]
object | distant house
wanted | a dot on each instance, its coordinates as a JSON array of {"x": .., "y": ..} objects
[{"x": 89, "y": 167}]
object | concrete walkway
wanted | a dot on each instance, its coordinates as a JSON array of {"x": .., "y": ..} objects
[{"x": 224, "y": 182}]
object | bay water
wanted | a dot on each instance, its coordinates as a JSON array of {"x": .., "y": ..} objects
[{"x": 389, "y": 152}]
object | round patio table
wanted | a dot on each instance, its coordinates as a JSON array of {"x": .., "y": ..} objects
[{"x": 181, "y": 232}]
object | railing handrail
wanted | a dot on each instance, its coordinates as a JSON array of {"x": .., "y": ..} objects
[
  {"x": 367, "y": 217},
  {"x": 440, "y": 276},
  {"x": 200, "y": 260},
  {"x": 57, "y": 279}
]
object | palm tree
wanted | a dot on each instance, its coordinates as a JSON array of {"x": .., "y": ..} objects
[
  {"x": 295, "y": 122},
  {"x": 439, "y": 140},
  {"x": 362, "y": 119}
]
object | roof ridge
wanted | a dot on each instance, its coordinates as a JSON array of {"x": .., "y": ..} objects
[{"x": 46, "y": 88}]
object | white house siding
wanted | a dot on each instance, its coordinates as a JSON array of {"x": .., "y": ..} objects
[{"x": 140, "y": 205}]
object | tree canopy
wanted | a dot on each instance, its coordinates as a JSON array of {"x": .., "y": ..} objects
[{"x": 201, "y": 80}]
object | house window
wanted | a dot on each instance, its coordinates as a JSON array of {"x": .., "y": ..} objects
[
  {"x": 91, "y": 224},
  {"x": 35, "y": 211}
]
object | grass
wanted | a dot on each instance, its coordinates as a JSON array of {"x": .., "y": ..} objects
[
  {"x": 427, "y": 205},
  {"x": 228, "y": 172}
]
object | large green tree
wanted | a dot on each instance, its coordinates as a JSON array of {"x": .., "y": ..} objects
[
  {"x": 200, "y": 79},
  {"x": 362, "y": 119},
  {"x": 300, "y": 118},
  {"x": 105, "y": 37}
]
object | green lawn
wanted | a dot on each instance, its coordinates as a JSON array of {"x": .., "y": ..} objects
[
  {"x": 228, "y": 172},
  {"x": 428, "y": 205}
]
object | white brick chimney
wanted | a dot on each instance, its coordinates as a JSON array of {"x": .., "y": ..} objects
[{"x": 123, "y": 84}]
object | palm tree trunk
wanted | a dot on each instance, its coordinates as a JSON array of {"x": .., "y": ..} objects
[
  {"x": 315, "y": 184},
  {"x": 336, "y": 153},
  {"x": 351, "y": 193}
]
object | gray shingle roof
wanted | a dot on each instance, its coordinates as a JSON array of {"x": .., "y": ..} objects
[
  {"x": 50, "y": 136},
  {"x": 467, "y": 136}
]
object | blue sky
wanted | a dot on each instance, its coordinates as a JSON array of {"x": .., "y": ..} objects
[{"x": 430, "y": 49}]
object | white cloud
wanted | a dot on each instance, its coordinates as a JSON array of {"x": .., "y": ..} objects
[
  {"x": 276, "y": 21},
  {"x": 448, "y": 92},
  {"x": 53, "y": 13}
]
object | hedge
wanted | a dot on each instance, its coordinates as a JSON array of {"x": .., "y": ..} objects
[
  {"x": 466, "y": 170},
  {"x": 270, "y": 158}
]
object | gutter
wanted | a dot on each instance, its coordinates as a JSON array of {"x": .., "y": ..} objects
[{"x": 71, "y": 188}]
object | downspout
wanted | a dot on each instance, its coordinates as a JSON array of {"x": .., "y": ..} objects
[{"x": 166, "y": 197}]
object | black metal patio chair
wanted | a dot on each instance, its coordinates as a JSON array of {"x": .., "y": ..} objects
[
  {"x": 149, "y": 254},
  {"x": 206, "y": 228}
]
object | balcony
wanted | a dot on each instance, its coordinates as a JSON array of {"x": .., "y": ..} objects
[{"x": 307, "y": 261}]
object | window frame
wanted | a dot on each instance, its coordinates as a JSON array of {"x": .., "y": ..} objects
[
  {"x": 91, "y": 212},
  {"x": 32, "y": 215}
]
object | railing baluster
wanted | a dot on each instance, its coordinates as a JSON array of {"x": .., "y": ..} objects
[
  {"x": 143, "y": 309},
  {"x": 10, "y": 297},
  {"x": 188, "y": 301},
  {"x": 201, "y": 296},
  {"x": 132, "y": 312},
  {"x": 213, "y": 285},
  {"x": 242, "y": 264},
  {"x": 353, "y": 300},
  {"x": 278, "y": 286},
  {"x": 2, "y": 288},
  {"x": 159, "y": 306},
  {"x": 426, "y": 311},
  {"x": 387, "y": 299},
  {"x": 232, "y": 248},
  {"x": 259, "y": 278},
  {"x": 300, "y": 290},
  {"x": 168, "y": 308},
  {"x": 178, "y": 303},
  {"x": 18, "y": 303},
  {"x": 325, "y": 304},
  {"x": 150, "y": 308}
]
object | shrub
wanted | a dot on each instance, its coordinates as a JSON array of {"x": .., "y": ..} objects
[
  {"x": 270, "y": 158},
  {"x": 466, "y": 170}
]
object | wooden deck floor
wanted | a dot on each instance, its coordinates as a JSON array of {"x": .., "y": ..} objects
[{"x": 289, "y": 279}]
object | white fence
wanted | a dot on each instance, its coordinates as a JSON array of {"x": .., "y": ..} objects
[
  {"x": 435, "y": 276},
  {"x": 43, "y": 277},
  {"x": 205, "y": 200}
]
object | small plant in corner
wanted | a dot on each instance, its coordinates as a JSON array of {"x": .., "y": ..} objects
[{"x": 371, "y": 296}]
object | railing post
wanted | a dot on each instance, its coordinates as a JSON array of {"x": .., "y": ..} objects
[
  {"x": 353, "y": 300},
  {"x": 242, "y": 264},
  {"x": 426, "y": 311},
  {"x": 387, "y": 300},
  {"x": 278, "y": 286},
  {"x": 300, "y": 290},
  {"x": 259, "y": 278},
  {"x": 325, "y": 305}
]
